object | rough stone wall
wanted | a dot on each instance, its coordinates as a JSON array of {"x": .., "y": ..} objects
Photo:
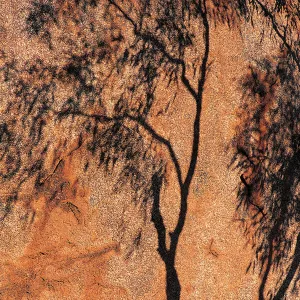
[{"x": 80, "y": 248}]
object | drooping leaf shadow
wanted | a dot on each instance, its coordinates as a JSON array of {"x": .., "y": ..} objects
[
  {"x": 267, "y": 150},
  {"x": 117, "y": 141},
  {"x": 130, "y": 51}
]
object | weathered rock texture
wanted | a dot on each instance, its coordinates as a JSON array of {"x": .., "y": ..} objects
[{"x": 80, "y": 244}]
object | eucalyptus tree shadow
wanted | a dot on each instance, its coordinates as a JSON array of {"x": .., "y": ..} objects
[
  {"x": 267, "y": 150},
  {"x": 154, "y": 45},
  {"x": 157, "y": 49}
]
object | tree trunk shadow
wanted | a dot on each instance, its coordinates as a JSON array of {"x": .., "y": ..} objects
[
  {"x": 291, "y": 273},
  {"x": 168, "y": 256}
]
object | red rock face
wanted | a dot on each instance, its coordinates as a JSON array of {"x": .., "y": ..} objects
[
  {"x": 62, "y": 257},
  {"x": 71, "y": 234}
]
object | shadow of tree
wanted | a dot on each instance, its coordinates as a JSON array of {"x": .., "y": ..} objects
[
  {"x": 267, "y": 151},
  {"x": 101, "y": 87}
]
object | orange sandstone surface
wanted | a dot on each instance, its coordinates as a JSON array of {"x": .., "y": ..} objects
[{"x": 78, "y": 246}]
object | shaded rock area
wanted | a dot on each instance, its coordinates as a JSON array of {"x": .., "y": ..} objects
[{"x": 74, "y": 235}]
